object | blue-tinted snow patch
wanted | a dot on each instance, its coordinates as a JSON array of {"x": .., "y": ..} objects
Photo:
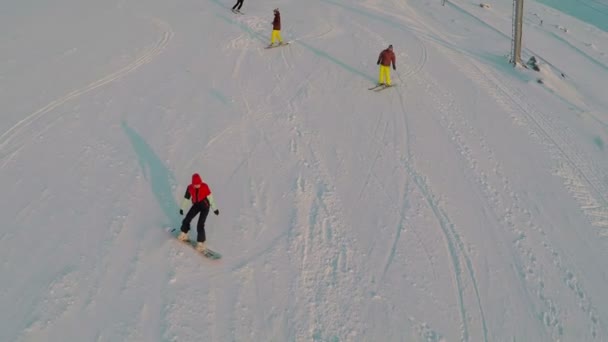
[{"x": 594, "y": 12}]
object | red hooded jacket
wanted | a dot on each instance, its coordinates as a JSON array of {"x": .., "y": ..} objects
[{"x": 198, "y": 194}]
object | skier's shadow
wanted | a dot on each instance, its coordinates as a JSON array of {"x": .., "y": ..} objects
[{"x": 155, "y": 171}]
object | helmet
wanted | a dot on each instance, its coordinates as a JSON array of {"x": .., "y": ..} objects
[
  {"x": 276, "y": 10},
  {"x": 390, "y": 46}
]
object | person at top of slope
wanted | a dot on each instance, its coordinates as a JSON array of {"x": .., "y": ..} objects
[
  {"x": 386, "y": 58},
  {"x": 276, "y": 28},
  {"x": 202, "y": 200}
]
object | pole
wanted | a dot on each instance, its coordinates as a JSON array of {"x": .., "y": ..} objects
[{"x": 517, "y": 30}]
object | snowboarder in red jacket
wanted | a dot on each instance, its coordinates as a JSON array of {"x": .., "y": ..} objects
[{"x": 202, "y": 200}]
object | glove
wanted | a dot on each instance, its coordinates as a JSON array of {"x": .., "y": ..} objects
[
  {"x": 394, "y": 68},
  {"x": 181, "y": 211},
  {"x": 216, "y": 212}
]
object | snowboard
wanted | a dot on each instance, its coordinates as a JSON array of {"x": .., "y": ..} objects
[
  {"x": 276, "y": 46},
  {"x": 211, "y": 254}
]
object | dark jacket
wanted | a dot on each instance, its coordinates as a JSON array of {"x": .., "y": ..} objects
[
  {"x": 276, "y": 23},
  {"x": 387, "y": 57}
]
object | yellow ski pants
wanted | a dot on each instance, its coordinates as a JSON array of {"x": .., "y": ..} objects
[
  {"x": 276, "y": 36},
  {"x": 385, "y": 75}
]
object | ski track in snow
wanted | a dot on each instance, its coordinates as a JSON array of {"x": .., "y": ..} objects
[
  {"x": 516, "y": 213},
  {"x": 318, "y": 240},
  {"x": 581, "y": 176},
  {"x": 460, "y": 260},
  {"x": 21, "y": 127},
  {"x": 401, "y": 208}
]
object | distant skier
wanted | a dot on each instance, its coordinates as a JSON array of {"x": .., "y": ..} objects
[
  {"x": 276, "y": 28},
  {"x": 385, "y": 59},
  {"x": 239, "y": 3},
  {"x": 202, "y": 200}
]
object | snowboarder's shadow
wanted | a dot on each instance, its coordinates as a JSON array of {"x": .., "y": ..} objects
[{"x": 155, "y": 171}]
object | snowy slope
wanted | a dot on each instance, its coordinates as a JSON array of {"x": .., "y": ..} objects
[{"x": 469, "y": 203}]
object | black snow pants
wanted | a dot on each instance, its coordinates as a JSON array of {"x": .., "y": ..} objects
[
  {"x": 238, "y": 3},
  {"x": 203, "y": 209}
]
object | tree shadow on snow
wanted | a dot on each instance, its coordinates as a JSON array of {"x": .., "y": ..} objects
[{"x": 155, "y": 171}]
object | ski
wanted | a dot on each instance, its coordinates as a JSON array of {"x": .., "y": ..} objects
[
  {"x": 272, "y": 46},
  {"x": 385, "y": 87},
  {"x": 376, "y": 86},
  {"x": 237, "y": 12},
  {"x": 208, "y": 253}
]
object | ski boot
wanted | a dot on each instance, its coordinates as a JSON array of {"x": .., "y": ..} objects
[
  {"x": 183, "y": 237},
  {"x": 200, "y": 247}
]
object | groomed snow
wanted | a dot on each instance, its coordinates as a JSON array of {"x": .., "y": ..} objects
[{"x": 468, "y": 203}]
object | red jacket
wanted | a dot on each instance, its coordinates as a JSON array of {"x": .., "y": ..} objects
[
  {"x": 276, "y": 23},
  {"x": 386, "y": 58},
  {"x": 200, "y": 194}
]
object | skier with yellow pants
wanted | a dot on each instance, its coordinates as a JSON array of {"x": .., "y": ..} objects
[
  {"x": 276, "y": 28},
  {"x": 386, "y": 58}
]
